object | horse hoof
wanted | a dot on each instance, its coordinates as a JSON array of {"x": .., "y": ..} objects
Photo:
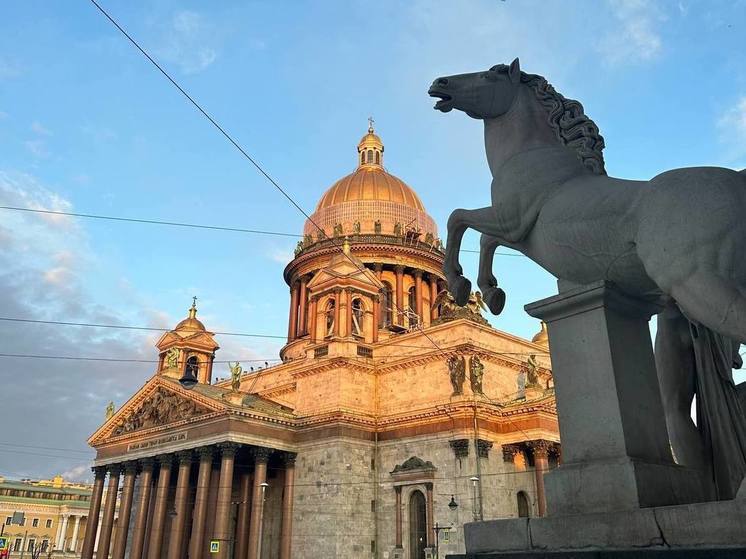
[
  {"x": 460, "y": 288},
  {"x": 495, "y": 299}
]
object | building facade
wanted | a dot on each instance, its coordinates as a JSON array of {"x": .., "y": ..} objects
[
  {"x": 393, "y": 413},
  {"x": 55, "y": 516}
]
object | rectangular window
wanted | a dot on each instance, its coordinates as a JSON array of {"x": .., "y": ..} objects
[
  {"x": 31, "y": 545},
  {"x": 35, "y": 523},
  {"x": 17, "y": 544},
  {"x": 44, "y": 545},
  {"x": 22, "y": 522},
  {"x": 8, "y": 520},
  {"x": 49, "y": 522}
]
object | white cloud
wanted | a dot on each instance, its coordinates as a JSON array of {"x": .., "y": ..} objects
[
  {"x": 37, "y": 148},
  {"x": 39, "y": 129},
  {"x": 282, "y": 255},
  {"x": 80, "y": 473},
  {"x": 188, "y": 42},
  {"x": 732, "y": 127},
  {"x": 637, "y": 38}
]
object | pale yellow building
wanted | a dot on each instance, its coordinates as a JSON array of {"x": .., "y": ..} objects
[{"x": 55, "y": 516}]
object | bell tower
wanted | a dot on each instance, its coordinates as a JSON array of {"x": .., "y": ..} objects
[{"x": 187, "y": 349}]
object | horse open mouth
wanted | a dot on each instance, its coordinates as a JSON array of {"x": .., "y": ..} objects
[{"x": 445, "y": 103}]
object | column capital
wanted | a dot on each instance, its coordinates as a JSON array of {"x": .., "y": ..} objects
[
  {"x": 509, "y": 452},
  {"x": 429, "y": 485},
  {"x": 540, "y": 447},
  {"x": 184, "y": 456},
  {"x": 228, "y": 449},
  {"x": 99, "y": 472},
  {"x": 397, "y": 489},
  {"x": 146, "y": 464},
  {"x": 399, "y": 268},
  {"x": 205, "y": 453},
  {"x": 378, "y": 267},
  {"x": 337, "y": 291},
  {"x": 130, "y": 467},
  {"x": 261, "y": 454},
  {"x": 288, "y": 458},
  {"x": 165, "y": 460},
  {"x": 483, "y": 448},
  {"x": 460, "y": 447},
  {"x": 114, "y": 469},
  {"x": 417, "y": 274}
]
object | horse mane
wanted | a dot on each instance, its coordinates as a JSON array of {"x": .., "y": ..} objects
[{"x": 571, "y": 125}]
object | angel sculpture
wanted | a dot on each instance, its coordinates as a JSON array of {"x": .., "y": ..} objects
[
  {"x": 476, "y": 373},
  {"x": 172, "y": 358},
  {"x": 475, "y": 303},
  {"x": 236, "y": 372},
  {"x": 532, "y": 377},
  {"x": 457, "y": 371},
  {"x": 110, "y": 410}
]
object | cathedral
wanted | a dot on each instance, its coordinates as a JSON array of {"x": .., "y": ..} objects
[{"x": 393, "y": 418}]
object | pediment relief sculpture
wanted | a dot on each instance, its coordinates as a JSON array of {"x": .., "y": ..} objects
[{"x": 161, "y": 408}]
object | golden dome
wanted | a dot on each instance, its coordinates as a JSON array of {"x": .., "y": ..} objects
[
  {"x": 191, "y": 323},
  {"x": 370, "y": 200},
  {"x": 370, "y": 183},
  {"x": 542, "y": 336}
]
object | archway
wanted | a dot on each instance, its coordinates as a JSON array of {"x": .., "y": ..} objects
[
  {"x": 417, "y": 525},
  {"x": 523, "y": 505}
]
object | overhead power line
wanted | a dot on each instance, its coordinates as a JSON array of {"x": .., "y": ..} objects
[{"x": 185, "y": 224}]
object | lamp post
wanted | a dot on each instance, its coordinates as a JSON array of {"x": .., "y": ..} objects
[
  {"x": 474, "y": 480},
  {"x": 264, "y": 485}
]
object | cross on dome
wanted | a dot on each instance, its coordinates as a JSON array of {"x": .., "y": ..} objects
[{"x": 370, "y": 149}]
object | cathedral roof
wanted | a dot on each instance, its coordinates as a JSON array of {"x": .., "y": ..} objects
[{"x": 370, "y": 182}]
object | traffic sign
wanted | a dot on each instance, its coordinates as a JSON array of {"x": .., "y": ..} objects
[
  {"x": 214, "y": 546},
  {"x": 4, "y": 542}
]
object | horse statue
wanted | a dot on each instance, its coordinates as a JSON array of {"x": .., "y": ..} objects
[{"x": 675, "y": 240}]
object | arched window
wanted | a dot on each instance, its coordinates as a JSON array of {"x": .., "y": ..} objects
[
  {"x": 523, "y": 506},
  {"x": 412, "y": 310},
  {"x": 417, "y": 525},
  {"x": 358, "y": 314},
  {"x": 362, "y": 158},
  {"x": 192, "y": 366},
  {"x": 330, "y": 306},
  {"x": 378, "y": 158},
  {"x": 386, "y": 305},
  {"x": 370, "y": 156}
]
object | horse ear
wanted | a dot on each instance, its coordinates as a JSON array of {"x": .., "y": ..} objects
[{"x": 514, "y": 72}]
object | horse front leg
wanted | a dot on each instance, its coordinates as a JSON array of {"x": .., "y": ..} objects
[
  {"x": 492, "y": 295},
  {"x": 483, "y": 220}
]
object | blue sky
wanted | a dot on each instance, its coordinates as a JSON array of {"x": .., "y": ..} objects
[{"x": 87, "y": 125}]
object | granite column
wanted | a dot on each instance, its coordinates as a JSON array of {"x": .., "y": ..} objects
[{"x": 93, "y": 513}]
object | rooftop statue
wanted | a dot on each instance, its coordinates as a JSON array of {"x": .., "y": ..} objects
[{"x": 674, "y": 240}]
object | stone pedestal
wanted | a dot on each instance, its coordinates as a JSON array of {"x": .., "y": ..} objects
[{"x": 616, "y": 454}]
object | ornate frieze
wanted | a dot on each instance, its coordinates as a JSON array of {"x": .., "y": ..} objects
[
  {"x": 161, "y": 408},
  {"x": 413, "y": 464}
]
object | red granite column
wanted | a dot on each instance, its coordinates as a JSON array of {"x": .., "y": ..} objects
[
  {"x": 376, "y": 316},
  {"x": 93, "y": 512},
  {"x": 429, "y": 520},
  {"x": 107, "y": 522},
  {"x": 313, "y": 312},
  {"x": 286, "y": 533},
  {"x": 399, "y": 294},
  {"x": 243, "y": 516},
  {"x": 348, "y": 312},
  {"x": 418, "y": 296},
  {"x": 261, "y": 457},
  {"x": 303, "y": 302},
  {"x": 178, "y": 523},
  {"x": 200, "y": 503},
  {"x": 293, "y": 320},
  {"x": 125, "y": 510},
  {"x": 222, "y": 531},
  {"x": 541, "y": 465},
  {"x": 433, "y": 296},
  {"x": 159, "y": 512},
  {"x": 337, "y": 312},
  {"x": 397, "y": 489},
  {"x": 143, "y": 505}
]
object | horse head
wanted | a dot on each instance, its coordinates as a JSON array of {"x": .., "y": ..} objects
[{"x": 480, "y": 95}]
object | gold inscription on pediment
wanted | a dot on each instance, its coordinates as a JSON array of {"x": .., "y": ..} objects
[{"x": 157, "y": 442}]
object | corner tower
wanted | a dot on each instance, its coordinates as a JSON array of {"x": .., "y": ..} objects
[{"x": 369, "y": 265}]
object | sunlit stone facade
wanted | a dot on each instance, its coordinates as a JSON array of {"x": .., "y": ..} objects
[{"x": 390, "y": 404}]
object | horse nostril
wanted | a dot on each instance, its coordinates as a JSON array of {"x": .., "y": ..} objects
[{"x": 442, "y": 81}]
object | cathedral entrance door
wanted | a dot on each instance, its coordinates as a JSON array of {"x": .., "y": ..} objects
[{"x": 417, "y": 525}]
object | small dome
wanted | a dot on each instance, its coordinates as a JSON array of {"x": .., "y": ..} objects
[
  {"x": 191, "y": 323},
  {"x": 542, "y": 336}
]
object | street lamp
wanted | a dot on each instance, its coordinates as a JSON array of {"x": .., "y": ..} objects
[
  {"x": 474, "y": 480},
  {"x": 264, "y": 485},
  {"x": 453, "y": 505}
]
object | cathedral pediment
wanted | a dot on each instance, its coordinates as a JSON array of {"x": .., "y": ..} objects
[{"x": 155, "y": 405}]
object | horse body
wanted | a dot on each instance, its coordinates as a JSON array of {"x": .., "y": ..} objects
[{"x": 676, "y": 236}]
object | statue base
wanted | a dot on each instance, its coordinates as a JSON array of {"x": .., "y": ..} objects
[{"x": 714, "y": 529}]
